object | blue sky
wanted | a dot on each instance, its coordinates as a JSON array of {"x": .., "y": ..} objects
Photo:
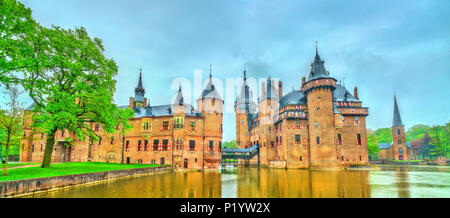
[{"x": 379, "y": 46}]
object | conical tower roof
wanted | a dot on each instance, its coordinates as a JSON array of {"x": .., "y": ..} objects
[
  {"x": 318, "y": 70},
  {"x": 179, "y": 100}
]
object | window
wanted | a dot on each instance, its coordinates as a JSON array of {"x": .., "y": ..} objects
[
  {"x": 23, "y": 147},
  {"x": 63, "y": 132},
  {"x": 32, "y": 148},
  {"x": 127, "y": 145},
  {"x": 99, "y": 140},
  {"x": 42, "y": 147},
  {"x": 318, "y": 108},
  {"x": 297, "y": 124},
  {"x": 220, "y": 146},
  {"x": 112, "y": 139},
  {"x": 220, "y": 128},
  {"x": 211, "y": 145},
  {"x": 316, "y": 124},
  {"x": 318, "y": 98},
  {"x": 166, "y": 125},
  {"x": 358, "y": 139},
  {"x": 178, "y": 122},
  {"x": 146, "y": 126},
  {"x": 399, "y": 141},
  {"x": 297, "y": 139},
  {"x": 139, "y": 145},
  {"x": 339, "y": 139},
  {"x": 301, "y": 159},
  {"x": 146, "y": 145},
  {"x": 398, "y": 132},
  {"x": 281, "y": 140},
  {"x": 318, "y": 140},
  {"x": 191, "y": 145},
  {"x": 356, "y": 120},
  {"x": 155, "y": 144},
  {"x": 97, "y": 127},
  {"x": 165, "y": 144},
  {"x": 192, "y": 126}
]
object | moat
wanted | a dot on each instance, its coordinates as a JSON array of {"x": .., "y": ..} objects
[{"x": 388, "y": 182}]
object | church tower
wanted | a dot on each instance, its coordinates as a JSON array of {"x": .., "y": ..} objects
[
  {"x": 319, "y": 92},
  {"x": 399, "y": 149},
  {"x": 244, "y": 109}
]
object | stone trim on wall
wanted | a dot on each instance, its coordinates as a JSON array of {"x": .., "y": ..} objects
[{"x": 28, "y": 186}]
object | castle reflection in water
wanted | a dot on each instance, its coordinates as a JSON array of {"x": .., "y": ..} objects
[{"x": 391, "y": 181}]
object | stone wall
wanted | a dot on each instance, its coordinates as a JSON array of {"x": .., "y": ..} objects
[{"x": 26, "y": 186}]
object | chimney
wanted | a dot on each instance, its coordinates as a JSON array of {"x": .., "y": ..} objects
[
  {"x": 263, "y": 90},
  {"x": 131, "y": 103},
  {"x": 280, "y": 89},
  {"x": 145, "y": 102},
  {"x": 355, "y": 92},
  {"x": 303, "y": 82}
]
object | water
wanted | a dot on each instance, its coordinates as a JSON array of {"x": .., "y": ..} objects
[{"x": 390, "y": 182}]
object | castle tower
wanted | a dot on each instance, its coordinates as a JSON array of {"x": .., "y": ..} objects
[
  {"x": 319, "y": 91},
  {"x": 399, "y": 149},
  {"x": 210, "y": 103},
  {"x": 244, "y": 108}
]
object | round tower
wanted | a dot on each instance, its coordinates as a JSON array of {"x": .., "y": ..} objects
[{"x": 319, "y": 92}]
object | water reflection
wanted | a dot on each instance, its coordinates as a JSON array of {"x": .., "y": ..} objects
[{"x": 390, "y": 181}]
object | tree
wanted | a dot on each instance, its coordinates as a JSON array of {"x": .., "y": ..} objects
[
  {"x": 416, "y": 132},
  {"x": 11, "y": 120},
  {"x": 372, "y": 145},
  {"x": 384, "y": 135},
  {"x": 230, "y": 144},
  {"x": 23, "y": 44},
  {"x": 439, "y": 140},
  {"x": 123, "y": 116}
]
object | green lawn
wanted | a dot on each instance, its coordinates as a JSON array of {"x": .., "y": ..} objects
[
  {"x": 16, "y": 165},
  {"x": 407, "y": 160},
  {"x": 61, "y": 169}
]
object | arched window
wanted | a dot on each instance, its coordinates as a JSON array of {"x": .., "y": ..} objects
[{"x": 398, "y": 131}]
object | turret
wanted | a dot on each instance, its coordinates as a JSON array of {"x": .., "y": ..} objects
[{"x": 319, "y": 92}]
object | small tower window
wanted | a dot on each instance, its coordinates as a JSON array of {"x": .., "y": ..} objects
[
  {"x": 316, "y": 124},
  {"x": 318, "y": 140},
  {"x": 339, "y": 139},
  {"x": 318, "y": 98},
  {"x": 358, "y": 139},
  {"x": 398, "y": 132}
]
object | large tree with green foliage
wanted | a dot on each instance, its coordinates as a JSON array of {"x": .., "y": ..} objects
[
  {"x": 372, "y": 145},
  {"x": 384, "y": 135},
  {"x": 64, "y": 71},
  {"x": 11, "y": 119}
]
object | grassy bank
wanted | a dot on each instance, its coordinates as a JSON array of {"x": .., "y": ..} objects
[
  {"x": 11, "y": 165},
  {"x": 61, "y": 169},
  {"x": 405, "y": 161}
]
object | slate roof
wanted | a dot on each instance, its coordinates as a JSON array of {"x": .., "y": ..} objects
[
  {"x": 397, "y": 120},
  {"x": 179, "y": 100},
  {"x": 295, "y": 97},
  {"x": 210, "y": 91},
  {"x": 163, "y": 110},
  {"x": 342, "y": 94},
  {"x": 318, "y": 70},
  {"x": 139, "y": 91},
  {"x": 388, "y": 145}
]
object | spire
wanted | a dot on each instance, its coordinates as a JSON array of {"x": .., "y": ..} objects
[
  {"x": 140, "y": 78},
  {"x": 397, "y": 121},
  {"x": 179, "y": 100},
  {"x": 317, "y": 67},
  {"x": 210, "y": 71},
  {"x": 139, "y": 91},
  {"x": 245, "y": 75}
]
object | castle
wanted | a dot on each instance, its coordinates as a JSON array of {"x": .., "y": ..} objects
[
  {"x": 398, "y": 149},
  {"x": 318, "y": 125},
  {"x": 176, "y": 134}
]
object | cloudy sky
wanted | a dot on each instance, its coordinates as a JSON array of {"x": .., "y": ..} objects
[{"x": 379, "y": 46}]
